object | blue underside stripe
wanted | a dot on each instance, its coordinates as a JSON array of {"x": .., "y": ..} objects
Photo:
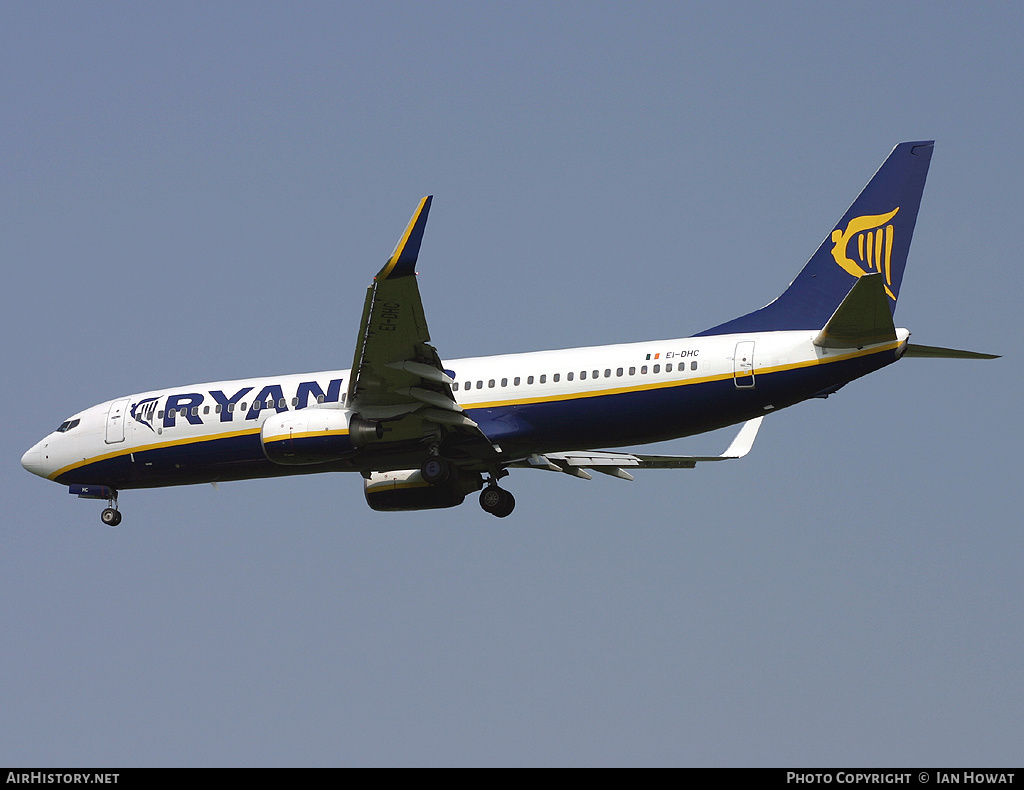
[{"x": 635, "y": 417}]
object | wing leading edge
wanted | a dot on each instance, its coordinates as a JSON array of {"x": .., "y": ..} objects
[{"x": 397, "y": 376}]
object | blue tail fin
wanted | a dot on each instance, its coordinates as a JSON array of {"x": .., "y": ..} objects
[{"x": 873, "y": 236}]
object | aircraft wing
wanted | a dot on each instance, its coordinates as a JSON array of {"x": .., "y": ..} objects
[
  {"x": 397, "y": 377},
  {"x": 615, "y": 463}
]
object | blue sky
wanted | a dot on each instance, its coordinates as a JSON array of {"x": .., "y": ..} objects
[{"x": 202, "y": 191}]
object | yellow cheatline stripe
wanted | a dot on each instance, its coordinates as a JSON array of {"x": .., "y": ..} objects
[
  {"x": 390, "y": 485},
  {"x": 307, "y": 434},
  {"x": 494, "y": 404},
  {"x": 678, "y": 382},
  {"x": 156, "y": 446},
  {"x": 597, "y": 393},
  {"x": 393, "y": 260}
]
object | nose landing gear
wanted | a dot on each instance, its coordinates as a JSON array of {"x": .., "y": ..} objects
[{"x": 111, "y": 516}]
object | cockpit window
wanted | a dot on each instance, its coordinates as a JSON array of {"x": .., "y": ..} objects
[{"x": 67, "y": 425}]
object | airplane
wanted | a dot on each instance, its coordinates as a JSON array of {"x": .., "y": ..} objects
[{"x": 425, "y": 433}]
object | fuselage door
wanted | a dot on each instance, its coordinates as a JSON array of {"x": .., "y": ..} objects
[
  {"x": 743, "y": 364},
  {"x": 115, "y": 421}
]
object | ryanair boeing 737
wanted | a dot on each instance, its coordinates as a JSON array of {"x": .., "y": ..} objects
[{"x": 425, "y": 432}]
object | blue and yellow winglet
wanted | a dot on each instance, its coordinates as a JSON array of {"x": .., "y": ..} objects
[{"x": 403, "y": 260}]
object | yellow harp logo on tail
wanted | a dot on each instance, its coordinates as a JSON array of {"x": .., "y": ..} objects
[{"x": 874, "y": 246}]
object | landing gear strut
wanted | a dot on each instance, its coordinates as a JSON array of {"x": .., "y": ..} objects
[
  {"x": 497, "y": 501},
  {"x": 111, "y": 516}
]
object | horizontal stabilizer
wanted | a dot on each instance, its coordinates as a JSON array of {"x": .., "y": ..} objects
[
  {"x": 936, "y": 352},
  {"x": 862, "y": 319}
]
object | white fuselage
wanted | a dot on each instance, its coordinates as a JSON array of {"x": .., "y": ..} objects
[{"x": 635, "y": 384}]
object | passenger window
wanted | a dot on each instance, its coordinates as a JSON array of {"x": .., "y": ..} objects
[
  {"x": 160, "y": 414},
  {"x": 319, "y": 399},
  {"x": 597, "y": 373},
  {"x": 618, "y": 372},
  {"x": 556, "y": 377},
  {"x": 479, "y": 385},
  {"x": 529, "y": 379},
  {"x": 504, "y": 382},
  {"x": 295, "y": 402},
  {"x": 206, "y": 409},
  {"x": 657, "y": 368},
  {"x": 632, "y": 371},
  {"x": 231, "y": 407},
  {"x": 241, "y": 406},
  {"x": 195, "y": 411},
  {"x": 583, "y": 375},
  {"x": 216, "y": 409},
  {"x": 455, "y": 387},
  {"x": 543, "y": 378},
  {"x": 569, "y": 375},
  {"x": 668, "y": 368},
  {"x": 281, "y": 403},
  {"x": 515, "y": 381},
  {"x": 693, "y": 365},
  {"x": 490, "y": 384},
  {"x": 608, "y": 373},
  {"x": 257, "y": 405},
  {"x": 643, "y": 369}
]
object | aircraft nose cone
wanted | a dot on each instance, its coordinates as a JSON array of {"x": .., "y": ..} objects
[{"x": 33, "y": 461}]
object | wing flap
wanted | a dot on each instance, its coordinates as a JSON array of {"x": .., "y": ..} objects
[{"x": 397, "y": 376}]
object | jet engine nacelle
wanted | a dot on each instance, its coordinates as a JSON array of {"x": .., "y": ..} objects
[
  {"x": 316, "y": 436},
  {"x": 407, "y": 490}
]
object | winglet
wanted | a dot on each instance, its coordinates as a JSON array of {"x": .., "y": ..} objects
[
  {"x": 403, "y": 260},
  {"x": 744, "y": 440}
]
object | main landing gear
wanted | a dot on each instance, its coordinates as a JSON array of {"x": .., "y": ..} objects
[
  {"x": 494, "y": 500},
  {"x": 497, "y": 501},
  {"x": 439, "y": 470}
]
